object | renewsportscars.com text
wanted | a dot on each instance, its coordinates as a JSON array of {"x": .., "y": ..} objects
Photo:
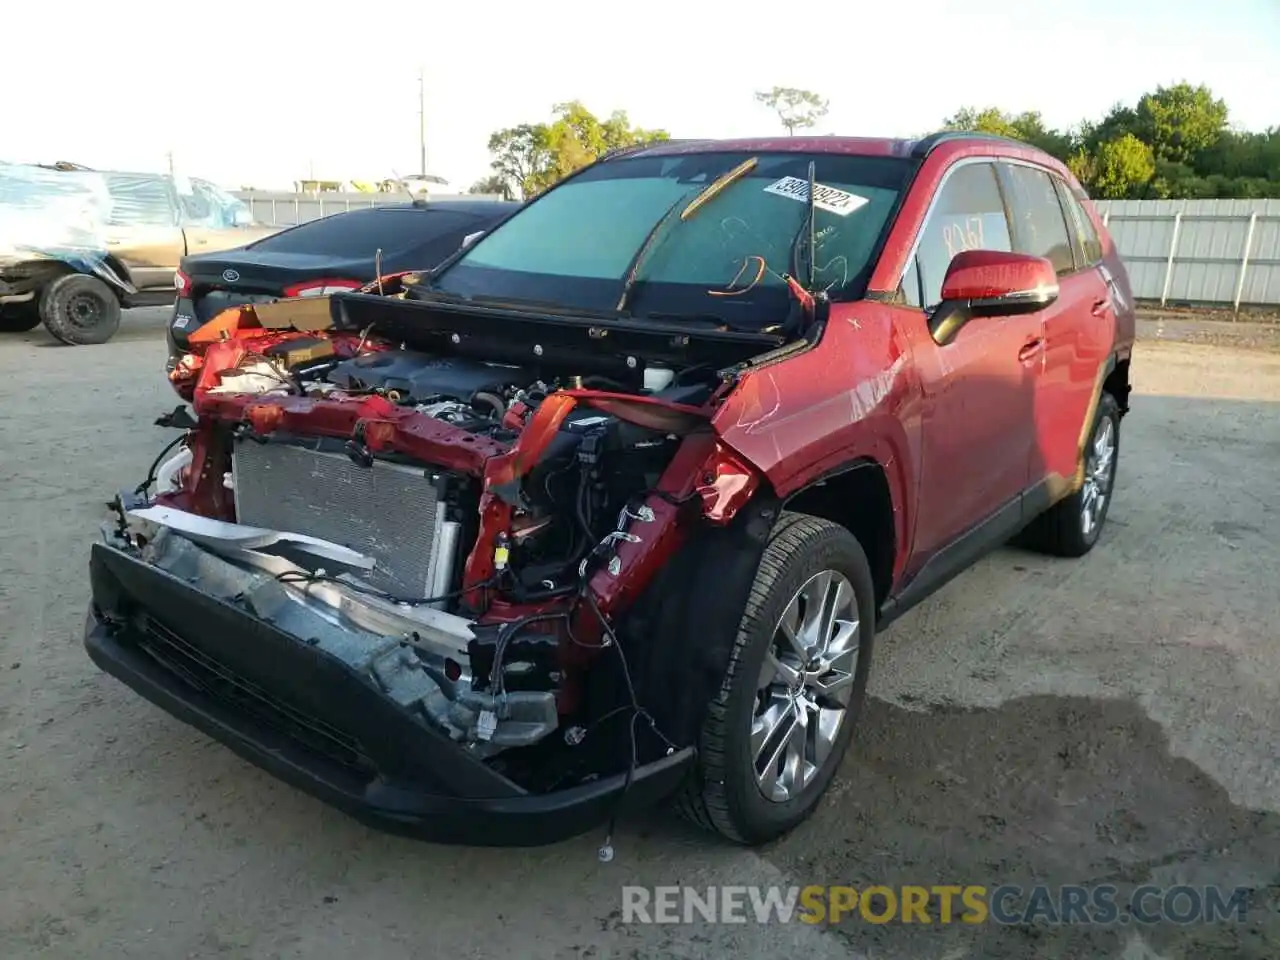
[{"x": 940, "y": 904}]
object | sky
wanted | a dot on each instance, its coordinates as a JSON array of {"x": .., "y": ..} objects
[{"x": 267, "y": 92}]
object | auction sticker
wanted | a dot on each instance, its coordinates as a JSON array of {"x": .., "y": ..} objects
[{"x": 824, "y": 198}]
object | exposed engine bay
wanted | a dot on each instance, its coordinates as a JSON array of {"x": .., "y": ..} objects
[{"x": 463, "y": 533}]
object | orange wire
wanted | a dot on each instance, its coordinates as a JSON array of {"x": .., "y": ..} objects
[{"x": 730, "y": 291}]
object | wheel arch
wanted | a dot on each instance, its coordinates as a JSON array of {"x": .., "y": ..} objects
[{"x": 856, "y": 496}]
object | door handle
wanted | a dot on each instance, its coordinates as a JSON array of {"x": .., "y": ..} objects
[
  {"x": 1101, "y": 306},
  {"x": 1030, "y": 349}
]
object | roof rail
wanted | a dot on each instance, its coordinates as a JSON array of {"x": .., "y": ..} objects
[{"x": 927, "y": 145}]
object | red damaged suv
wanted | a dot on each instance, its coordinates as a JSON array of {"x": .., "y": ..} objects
[{"x": 610, "y": 507}]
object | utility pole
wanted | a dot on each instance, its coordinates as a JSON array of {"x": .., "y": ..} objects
[
  {"x": 169, "y": 156},
  {"x": 422, "y": 123}
]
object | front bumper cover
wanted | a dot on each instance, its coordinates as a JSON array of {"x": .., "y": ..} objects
[{"x": 305, "y": 717}]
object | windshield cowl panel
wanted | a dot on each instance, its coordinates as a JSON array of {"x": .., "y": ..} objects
[{"x": 577, "y": 244}]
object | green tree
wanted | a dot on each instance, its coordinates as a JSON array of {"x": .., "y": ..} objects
[
  {"x": 520, "y": 156},
  {"x": 495, "y": 183},
  {"x": 796, "y": 109},
  {"x": 1029, "y": 127},
  {"x": 531, "y": 157},
  {"x": 577, "y": 137},
  {"x": 1120, "y": 169},
  {"x": 1180, "y": 122}
]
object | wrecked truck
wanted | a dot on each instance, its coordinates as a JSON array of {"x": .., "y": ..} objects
[
  {"x": 78, "y": 245},
  {"x": 609, "y": 508}
]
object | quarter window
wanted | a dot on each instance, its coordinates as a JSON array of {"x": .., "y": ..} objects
[
  {"x": 969, "y": 215},
  {"x": 1039, "y": 227}
]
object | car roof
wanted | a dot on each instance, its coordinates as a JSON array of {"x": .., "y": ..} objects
[
  {"x": 919, "y": 148},
  {"x": 475, "y": 208}
]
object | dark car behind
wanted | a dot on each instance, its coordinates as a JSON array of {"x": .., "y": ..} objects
[{"x": 334, "y": 253}]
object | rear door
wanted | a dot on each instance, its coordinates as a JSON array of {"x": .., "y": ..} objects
[
  {"x": 978, "y": 428},
  {"x": 1078, "y": 328},
  {"x": 142, "y": 229}
]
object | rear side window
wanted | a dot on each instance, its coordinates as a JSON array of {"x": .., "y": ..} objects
[
  {"x": 362, "y": 232},
  {"x": 1039, "y": 228},
  {"x": 1089, "y": 242},
  {"x": 969, "y": 215},
  {"x": 140, "y": 201}
]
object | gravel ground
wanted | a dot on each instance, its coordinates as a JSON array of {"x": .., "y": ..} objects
[{"x": 1108, "y": 720}]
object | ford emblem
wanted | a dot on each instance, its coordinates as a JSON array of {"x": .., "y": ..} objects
[{"x": 231, "y": 276}]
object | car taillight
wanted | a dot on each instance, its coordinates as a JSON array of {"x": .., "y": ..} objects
[
  {"x": 321, "y": 288},
  {"x": 182, "y": 283}
]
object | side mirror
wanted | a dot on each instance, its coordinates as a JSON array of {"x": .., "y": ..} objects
[
  {"x": 242, "y": 217},
  {"x": 991, "y": 283}
]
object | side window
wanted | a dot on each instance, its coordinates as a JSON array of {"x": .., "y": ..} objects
[
  {"x": 969, "y": 215},
  {"x": 140, "y": 201},
  {"x": 1089, "y": 241},
  {"x": 1039, "y": 227}
]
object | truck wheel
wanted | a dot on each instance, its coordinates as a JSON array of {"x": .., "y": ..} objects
[
  {"x": 781, "y": 722},
  {"x": 79, "y": 309},
  {"x": 19, "y": 317},
  {"x": 1071, "y": 526}
]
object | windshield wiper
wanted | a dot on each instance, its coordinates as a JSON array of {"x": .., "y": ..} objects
[
  {"x": 807, "y": 226},
  {"x": 704, "y": 196}
]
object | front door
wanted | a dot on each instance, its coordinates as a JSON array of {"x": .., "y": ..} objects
[{"x": 978, "y": 429}]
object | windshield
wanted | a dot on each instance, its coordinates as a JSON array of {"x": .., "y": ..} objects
[{"x": 575, "y": 245}]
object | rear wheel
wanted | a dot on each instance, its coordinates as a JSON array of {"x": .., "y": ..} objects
[
  {"x": 777, "y": 730},
  {"x": 19, "y": 317},
  {"x": 1072, "y": 526},
  {"x": 79, "y": 309}
]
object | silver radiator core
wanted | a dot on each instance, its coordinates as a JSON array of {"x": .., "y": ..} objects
[{"x": 388, "y": 512}]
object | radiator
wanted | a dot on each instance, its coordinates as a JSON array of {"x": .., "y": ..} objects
[{"x": 388, "y": 512}]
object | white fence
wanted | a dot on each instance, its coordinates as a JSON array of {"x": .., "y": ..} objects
[
  {"x": 287, "y": 209},
  {"x": 1195, "y": 252},
  {"x": 1199, "y": 252}
]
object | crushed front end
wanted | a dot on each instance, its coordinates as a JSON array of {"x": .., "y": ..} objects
[{"x": 393, "y": 561}]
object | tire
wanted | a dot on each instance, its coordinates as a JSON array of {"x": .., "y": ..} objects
[
  {"x": 19, "y": 317},
  {"x": 724, "y": 792},
  {"x": 80, "y": 310},
  {"x": 1064, "y": 530}
]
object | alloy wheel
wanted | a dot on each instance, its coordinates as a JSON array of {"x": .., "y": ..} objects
[
  {"x": 1097, "y": 476},
  {"x": 805, "y": 685}
]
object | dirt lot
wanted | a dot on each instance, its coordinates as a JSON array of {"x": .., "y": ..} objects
[{"x": 1110, "y": 720}]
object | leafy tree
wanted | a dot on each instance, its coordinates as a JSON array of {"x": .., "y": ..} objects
[
  {"x": 1029, "y": 127},
  {"x": 1180, "y": 122},
  {"x": 531, "y": 157},
  {"x": 1121, "y": 169},
  {"x": 495, "y": 183},
  {"x": 577, "y": 137},
  {"x": 520, "y": 156},
  {"x": 796, "y": 109},
  {"x": 1173, "y": 143}
]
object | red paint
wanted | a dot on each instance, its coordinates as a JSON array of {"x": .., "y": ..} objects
[
  {"x": 981, "y": 274},
  {"x": 726, "y": 486},
  {"x": 958, "y": 430}
]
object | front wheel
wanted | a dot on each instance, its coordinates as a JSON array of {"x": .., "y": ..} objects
[
  {"x": 781, "y": 722},
  {"x": 79, "y": 309}
]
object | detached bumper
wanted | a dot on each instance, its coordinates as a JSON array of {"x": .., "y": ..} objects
[{"x": 307, "y": 718}]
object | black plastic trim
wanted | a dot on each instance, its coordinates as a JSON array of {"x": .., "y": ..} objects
[{"x": 425, "y": 786}]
